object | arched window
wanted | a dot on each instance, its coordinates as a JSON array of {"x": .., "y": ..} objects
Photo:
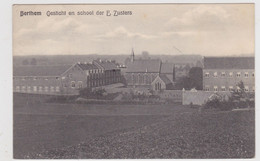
[
  {"x": 80, "y": 84},
  {"x": 73, "y": 85}
]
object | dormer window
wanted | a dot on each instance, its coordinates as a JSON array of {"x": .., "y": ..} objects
[
  {"x": 238, "y": 74},
  {"x": 207, "y": 74}
]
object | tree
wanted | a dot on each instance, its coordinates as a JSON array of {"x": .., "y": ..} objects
[
  {"x": 199, "y": 64},
  {"x": 196, "y": 78},
  {"x": 127, "y": 60},
  {"x": 33, "y": 61},
  {"x": 145, "y": 55},
  {"x": 241, "y": 97},
  {"x": 183, "y": 82},
  {"x": 25, "y": 62}
]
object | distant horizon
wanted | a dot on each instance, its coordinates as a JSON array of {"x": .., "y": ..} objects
[{"x": 237, "y": 55}]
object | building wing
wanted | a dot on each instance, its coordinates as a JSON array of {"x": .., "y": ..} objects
[
  {"x": 229, "y": 62},
  {"x": 40, "y": 70},
  {"x": 144, "y": 65},
  {"x": 167, "y": 68}
]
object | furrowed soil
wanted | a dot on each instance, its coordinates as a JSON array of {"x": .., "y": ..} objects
[{"x": 47, "y": 130}]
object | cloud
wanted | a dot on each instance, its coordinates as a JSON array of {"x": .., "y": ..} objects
[
  {"x": 201, "y": 18},
  {"x": 122, "y": 33}
]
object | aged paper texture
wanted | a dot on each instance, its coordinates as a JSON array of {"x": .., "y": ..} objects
[{"x": 136, "y": 81}]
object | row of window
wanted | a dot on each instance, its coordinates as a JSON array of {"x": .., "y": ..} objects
[
  {"x": 230, "y": 88},
  {"x": 100, "y": 82},
  {"x": 98, "y": 71},
  {"x": 143, "y": 79},
  {"x": 37, "y": 89},
  {"x": 33, "y": 78},
  {"x": 94, "y": 71},
  {"x": 230, "y": 74}
]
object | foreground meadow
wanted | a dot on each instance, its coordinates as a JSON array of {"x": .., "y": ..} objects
[{"x": 44, "y": 130}]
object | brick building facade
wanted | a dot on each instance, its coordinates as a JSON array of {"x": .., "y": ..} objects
[
  {"x": 65, "y": 79},
  {"x": 224, "y": 73}
]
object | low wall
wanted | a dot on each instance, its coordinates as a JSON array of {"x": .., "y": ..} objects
[
  {"x": 173, "y": 95},
  {"x": 200, "y": 97}
]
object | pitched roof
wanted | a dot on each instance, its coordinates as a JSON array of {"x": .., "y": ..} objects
[
  {"x": 229, "y": 62},
  {"x": 167, "y": 68},
  {"x": 87, "y": 66},
  {"x": 144, "y": 65},
  {"x": 32, "y": 70},
  {"x": 165, "y": 79},
  {"x": 107, "y": 65}
]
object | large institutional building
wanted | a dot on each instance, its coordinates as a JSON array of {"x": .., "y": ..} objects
[
  {"x": 224, "y": 73},
  {"x": 65, "y": 79}
]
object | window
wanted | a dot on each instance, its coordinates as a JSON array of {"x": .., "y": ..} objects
[
  {"x": 35, "y": 88},
  {"x": 215, "y": 88},
  {"x": 206, "y": 88},
  {"x": 34, "y": 78},
  {"x": 28, "y": 88},
  {"x": 207, "y": 75},
  {"x": 215, "y": 74},
  {"x": 223, "y": 88},
  {"x": 223, "y": 74},
  {"x": 57, "y": 88},
  {"x": 230, "y": 88},
  {"x": 52, "y": 89},
  {"x": 80, "y": 84},
  {"x": 253, "y": 74},
  {"x": 46, "y": 89},
  {"x": 238, "y": 74},
  {"x": 253, "y": 88},
  {"x": 46, "y": 79},
  {"x": 246, "y": 75},
  {"x": 73, "y": 85},
  {"x": 23, "y": 88},
  {"x": 230, "y": 74},
  {"x": 40, "y": 88},
  {"x": 17, "y": 88},
  {"x": 246, "y": 89}
]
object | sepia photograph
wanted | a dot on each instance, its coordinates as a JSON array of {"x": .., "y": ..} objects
[{"x": 133, "y": 81}]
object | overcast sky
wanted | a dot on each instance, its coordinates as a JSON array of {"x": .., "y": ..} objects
[{"x": 208, "y": 30}]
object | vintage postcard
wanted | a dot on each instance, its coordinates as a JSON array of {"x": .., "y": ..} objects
[{"x": 134, "y": 81}]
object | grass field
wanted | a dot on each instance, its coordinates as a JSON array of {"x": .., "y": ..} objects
[{"x": 130, "y": 131}]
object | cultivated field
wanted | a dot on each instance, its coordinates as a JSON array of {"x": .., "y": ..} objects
[{"x": 43, "y": 130}]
